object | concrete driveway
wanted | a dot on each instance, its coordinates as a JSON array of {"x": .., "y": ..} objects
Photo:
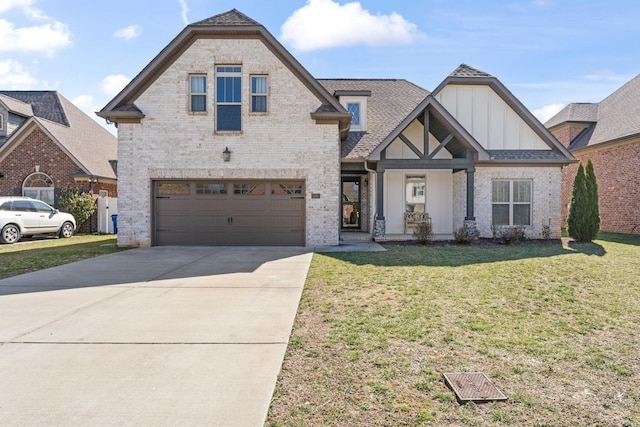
[{"x": 158, "y": 336}]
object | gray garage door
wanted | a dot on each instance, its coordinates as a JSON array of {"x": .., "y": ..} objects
[{"x": 239, "y": 213}]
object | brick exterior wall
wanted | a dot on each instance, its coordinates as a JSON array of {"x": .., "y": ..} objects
[
  {"x": 616, "y": 168},
  {"x": 172, "y": 143},
  {"x": 546, "y": 197},
  {"x": 37, "y": 149}
]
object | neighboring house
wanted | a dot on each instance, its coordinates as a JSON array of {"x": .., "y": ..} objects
[
  {"x": 608, "y": 134},
  {"x": 225, "y": 139},
  {"x": 48, "y": 145}
]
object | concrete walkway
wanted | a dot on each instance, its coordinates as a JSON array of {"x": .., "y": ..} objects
[{"x": 160, "y": 336}]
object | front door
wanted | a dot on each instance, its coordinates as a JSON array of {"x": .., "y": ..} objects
[{"x": 351, "y": 203}]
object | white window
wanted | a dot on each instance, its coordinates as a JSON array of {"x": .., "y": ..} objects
[
  {"x": 415, "y": 195},
  {"x": 511, "y": 202},
  {"x": 198, "y": 93},
  {"x": 39, "y": 186},
  {"x": 228, "y": 98},
  {"x": 357, "y": 106},
  {"x": 1, "y": 122},
  {"x": 258, "y": 94}
]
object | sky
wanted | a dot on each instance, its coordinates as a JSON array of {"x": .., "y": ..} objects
[{"x": 548, "y": 53}]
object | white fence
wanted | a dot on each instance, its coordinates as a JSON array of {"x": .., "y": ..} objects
[{"x": 107, "y": 206}]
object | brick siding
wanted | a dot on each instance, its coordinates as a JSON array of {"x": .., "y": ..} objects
[
  {"x": 37, "y": 149},
  {"x": 171, "y": 143}
]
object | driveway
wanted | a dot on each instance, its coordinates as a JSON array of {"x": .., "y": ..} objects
[{"x": 154, "y": 336}]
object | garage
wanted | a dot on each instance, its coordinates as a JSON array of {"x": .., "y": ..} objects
[{"x": 229, "y": 213}]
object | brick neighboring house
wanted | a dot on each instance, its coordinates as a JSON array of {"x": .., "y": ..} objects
[
  {"x": 608, "y": 134},
  {"x": 225, "y": 139},
  {"x": 48, "y": 145}
]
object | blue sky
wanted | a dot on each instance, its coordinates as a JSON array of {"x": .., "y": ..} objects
[{"x": 547, "y": 52}]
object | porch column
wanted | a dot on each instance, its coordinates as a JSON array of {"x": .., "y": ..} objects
[
  {"x": 470, "y": 187},
  {"x": 380, "y": 225}
]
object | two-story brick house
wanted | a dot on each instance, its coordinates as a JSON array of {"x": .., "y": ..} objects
[{"x": 226, "y": 139}]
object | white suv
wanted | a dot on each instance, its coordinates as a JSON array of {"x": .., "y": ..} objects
[{"x": 23, "y": 216}]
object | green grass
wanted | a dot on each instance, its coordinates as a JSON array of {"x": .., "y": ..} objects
[
  {"x": 555, "y": 327},
  {"x": 33, "y": 255}
]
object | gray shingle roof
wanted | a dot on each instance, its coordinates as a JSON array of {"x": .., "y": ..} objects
[
  {"x": 526, "y": 155},
  {"x": 233, "y": 17},
  {"x": 575, "y": 112},
  {"x": 615, "y": 117},
  {"x": 45, "y": 104},
  {"x": 16, "y": 106},
  {"x": 390, "y": 103},
  {"x": 91, "y": 145},
  {"x": 466, "y": 71}
]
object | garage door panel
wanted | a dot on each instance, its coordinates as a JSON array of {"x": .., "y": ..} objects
[{"x": 229, "y": 213}]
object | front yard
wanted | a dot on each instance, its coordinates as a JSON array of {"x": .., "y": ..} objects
[
  {"x": 555, "y": 327},
  {"x": 37, "y": 254}
]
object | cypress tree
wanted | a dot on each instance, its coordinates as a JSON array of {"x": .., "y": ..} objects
[
  {"x": 593, "y": 208},
  {"x": 578, "y": 209}
]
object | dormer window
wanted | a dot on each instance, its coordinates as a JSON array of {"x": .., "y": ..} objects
[
  {"x": 355, "y": 102},
  {"x": 1, "y": 122},
  {"x": 354, "y": 109}
]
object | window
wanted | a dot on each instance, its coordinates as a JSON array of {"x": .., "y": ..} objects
[
  {"x": 511, "y": 202},
  {"x": 286, "y": 189},
  {"x": 248, "y": 189},
  {"x": 211, "y": 188},
  {"x": 354, "y": 109},
  {"x": 258, "y": 94},
  {"x": 39, "y": 186},
  {"x": 173, "y": 188},
  {"x": 415, "y": 199},
  {"x": 1, "y": 122},
  {"x": 198, "y": 93},
  {"x": 229, "y": 98}
]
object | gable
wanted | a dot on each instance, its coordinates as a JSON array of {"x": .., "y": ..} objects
[{"x": 486, "y": 116}]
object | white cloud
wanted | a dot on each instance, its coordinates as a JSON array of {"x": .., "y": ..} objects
[
  {"x": 185, "y": 10},
  {"x": 113, "y": 84},
  {"x": 6, "y": 5},
  {"x": 47, "y": 38},
  {"x": 128, "y": 33},
  {"x": 13, "y": 76},
  {"x": 322, "y": 24},
  {"x": 84, "y": 102},
  {"x": 545, "y": 113}
]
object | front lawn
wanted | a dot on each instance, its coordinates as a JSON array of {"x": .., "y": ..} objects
[
  {"x": 37, "y": 254},
  {"x": 556, "y": 328}
]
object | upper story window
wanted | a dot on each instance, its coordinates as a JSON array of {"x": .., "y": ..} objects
[
  {"x": 355, "y": 102},
  {"x": 258, "y": 94},
  {"x": 228, "y": 98},
  {"x": 354, "y": 109},
  {"x": 511, "y": 202},
  {"x": 1, "y": 122},
  {"x": 198, "y": 93}
]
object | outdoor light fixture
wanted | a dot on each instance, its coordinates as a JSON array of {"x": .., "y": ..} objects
[
  {"x": 1, "y": 175},
  {"x": 226, "y": 154}
]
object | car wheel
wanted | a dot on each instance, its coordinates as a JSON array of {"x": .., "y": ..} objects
[
  {"x": 66, "y": 230},
  {"x": 10, "y": 234}
]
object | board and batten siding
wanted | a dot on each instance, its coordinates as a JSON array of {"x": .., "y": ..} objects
[
  {"x": 489, "y": 119},
  {"x": 439, "y": 200}
]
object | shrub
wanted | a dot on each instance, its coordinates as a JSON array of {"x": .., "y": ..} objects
[
  {"x": 80, "y": 205},
  {"x": 583, "y": 222},
  {"x": 423, "y": 232},
  {"x": 466, "y": 235},
  {"x": 509, "y": 234}
]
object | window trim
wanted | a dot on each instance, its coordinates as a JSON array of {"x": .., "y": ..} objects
[
  {"x": 511, "y": 203},
  {"x": 264, "y": 95},
  {"x": 345, "y": 100},
  {"x": 40, "y": 192},
  {"x": 192, "y": 93},
  {"x": 235, "y": 72},
  {"x": 1, "y": 121}
]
